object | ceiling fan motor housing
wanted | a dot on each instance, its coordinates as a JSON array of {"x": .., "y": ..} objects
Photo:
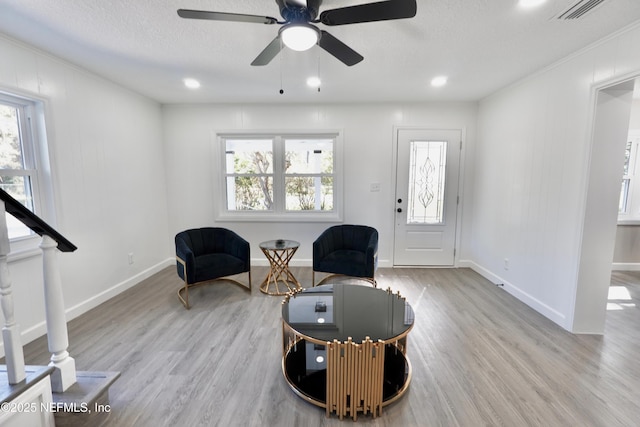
[{"x": 294, "y": 11}]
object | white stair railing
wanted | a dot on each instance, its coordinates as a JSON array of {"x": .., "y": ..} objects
[
  {"x": 13, "y": 353},
  {"x": 64, "y": 374}
]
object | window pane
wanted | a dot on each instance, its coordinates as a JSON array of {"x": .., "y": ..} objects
[
  {"x": 249, "y": 156},
  {"x": 627, "y": 157},
  {"x": 249, "y": 193},
  {"x": 10, "y": 144},
  {"x": 18, "y": 187},
  {"x": 309, "y": 193},
  {"x": 426, "y": 182},
  {"x": 624, "y": 196},
  {"x": 309, "y": 156}
]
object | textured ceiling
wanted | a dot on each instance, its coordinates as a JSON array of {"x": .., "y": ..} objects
[{"x": 482, "y": 45}]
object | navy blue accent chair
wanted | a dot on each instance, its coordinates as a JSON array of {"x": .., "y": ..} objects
[
  {"x": 349, "y": 250},
  {"x": 210, "y": 253}
]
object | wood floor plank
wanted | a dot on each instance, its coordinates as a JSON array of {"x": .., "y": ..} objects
[{"x": 479, "y": 357}]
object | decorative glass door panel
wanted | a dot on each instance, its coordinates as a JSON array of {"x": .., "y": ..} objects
[{"x": 427, "y": 165}]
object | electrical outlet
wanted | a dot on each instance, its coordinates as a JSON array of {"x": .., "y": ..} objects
[{"x": 130, "y": 258}]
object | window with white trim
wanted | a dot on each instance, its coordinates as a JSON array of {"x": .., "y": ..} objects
[
  {"x": 629, "y": 207},
  {"x": 280, "y": 176},
  {"x": 18, "y": 160}
]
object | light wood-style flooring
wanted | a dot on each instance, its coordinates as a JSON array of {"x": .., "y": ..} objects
[{"x": 479, "y": 356}]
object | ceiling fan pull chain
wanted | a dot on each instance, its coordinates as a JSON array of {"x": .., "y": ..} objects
[
  {"x": 319, "y": 78},
  {"x": 281, "y": 89}
]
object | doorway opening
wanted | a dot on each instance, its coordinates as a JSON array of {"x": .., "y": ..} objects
[{"x": 608, "y": 150}]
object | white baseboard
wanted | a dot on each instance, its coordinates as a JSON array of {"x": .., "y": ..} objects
[
  {"x": 625, "y": 266},
  {"x": 103, "y": 296},
  {"x": 40, "y": 329},
  {"x": 518, "y": 293}
]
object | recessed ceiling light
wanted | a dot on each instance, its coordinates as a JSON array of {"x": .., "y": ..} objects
[
  {"x": 439, "y": 81},
  {"x": 530, "y": 3},
  {"x": 191, "y": 83},
  {"x": 313, "y": 82}
]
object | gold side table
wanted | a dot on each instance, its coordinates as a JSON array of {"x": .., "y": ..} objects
[{"x": 280, "y": 280}]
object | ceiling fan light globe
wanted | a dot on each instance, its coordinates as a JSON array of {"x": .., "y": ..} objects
[
  {"x": 299, "y": 37},
  {"x": 530, "y": 4}
]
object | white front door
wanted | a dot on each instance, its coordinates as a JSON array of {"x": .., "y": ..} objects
[{"x": 427, "y": 169}]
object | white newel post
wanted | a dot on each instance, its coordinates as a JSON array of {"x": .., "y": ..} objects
[
  {"x": 64, "y": 375},
  {"x": 14, "y": 355}
]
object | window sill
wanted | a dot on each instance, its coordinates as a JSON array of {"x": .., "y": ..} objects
[
  {"x": 25, "y": 247},
  {"x": 629, "y": 222}
]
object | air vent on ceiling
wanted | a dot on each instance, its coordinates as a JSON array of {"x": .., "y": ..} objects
[{"x": 579, "y": 9}]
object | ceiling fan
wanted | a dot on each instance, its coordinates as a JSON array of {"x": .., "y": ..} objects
[{"x": 299, "y": 33}]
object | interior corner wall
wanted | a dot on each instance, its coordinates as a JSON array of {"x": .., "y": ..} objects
[
  {"x": 367, "y": 130},
  {"x": 531, "y": 175},
  {"x": 105, "y": 148}
]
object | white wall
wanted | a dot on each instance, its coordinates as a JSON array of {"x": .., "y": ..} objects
[
  {"x": 531, "y": 170},
  {"x": 368, "y": 158},
  {"x": 117, "y": 191},
  {"x": 108, "y": 179}
]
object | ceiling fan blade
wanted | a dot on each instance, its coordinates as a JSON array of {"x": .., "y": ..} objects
[
  {"x": 269, "y": 52},
  {"x": 223, "y": 16},
  {"x": 338, "y": 49},
  {"x": 370, "y": 12}
]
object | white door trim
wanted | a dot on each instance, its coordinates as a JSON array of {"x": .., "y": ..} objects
[{"x": 461, "y": 176}]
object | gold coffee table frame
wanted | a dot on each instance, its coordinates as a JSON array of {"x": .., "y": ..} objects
[
  {"x": 279, "y": 253},
  {"x": 355, "y": 371}
]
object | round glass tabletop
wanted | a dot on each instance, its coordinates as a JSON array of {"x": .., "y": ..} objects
[
  {"x": 279, "y": 244},
  {"x": 340, "y": 311}
]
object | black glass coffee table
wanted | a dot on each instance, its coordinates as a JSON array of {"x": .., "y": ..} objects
[{"x": 344, "y": 347}]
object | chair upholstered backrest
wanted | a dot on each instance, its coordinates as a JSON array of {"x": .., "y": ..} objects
[
  {"x": 336, "y": 249},
  {"x": 211, "y": 240},
  {"x": 198, "y": 242},
  {"x": 350, "y": 237}
]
